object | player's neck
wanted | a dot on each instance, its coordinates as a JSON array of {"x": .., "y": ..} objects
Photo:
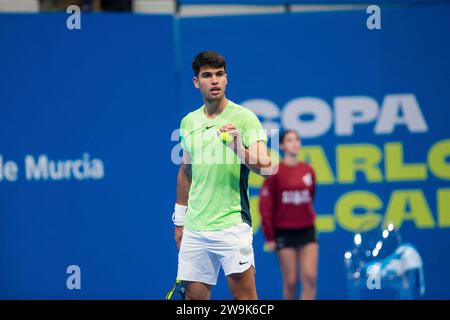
[
  {"x": 214, "y": 108},
  {"x": 290, "y": 160}
]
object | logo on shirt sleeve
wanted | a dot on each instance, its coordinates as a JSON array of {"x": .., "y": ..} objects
[
  {"x": 265, "y": 192},
  {"x": 307, "y": 179}
]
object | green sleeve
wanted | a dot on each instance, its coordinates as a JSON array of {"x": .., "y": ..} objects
[
  {"x": 252, "y": 130},
  {"x": 183, "y": 132}
]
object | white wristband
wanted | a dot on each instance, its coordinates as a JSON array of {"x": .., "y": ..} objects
[{"x": 179, "y": 214}]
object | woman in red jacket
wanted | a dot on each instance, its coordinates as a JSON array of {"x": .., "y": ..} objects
[{"x": 286, "y": 206}]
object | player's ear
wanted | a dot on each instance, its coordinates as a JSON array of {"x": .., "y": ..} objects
[{"x": 195, "y": 81}]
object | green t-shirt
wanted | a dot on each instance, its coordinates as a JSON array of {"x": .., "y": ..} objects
[{"x": 218, "y": 196}]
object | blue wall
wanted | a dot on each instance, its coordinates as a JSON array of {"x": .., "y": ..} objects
[
  {"x": 106, "y": 90},
  {"x": 117, "y": 88},
  {"x": 330, "y": 56}
]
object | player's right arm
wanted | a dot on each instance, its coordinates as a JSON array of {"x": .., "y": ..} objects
[{"x": 184, "y": 180}]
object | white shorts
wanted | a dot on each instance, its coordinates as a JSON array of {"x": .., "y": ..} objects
[{"x": 203, "y": 252}]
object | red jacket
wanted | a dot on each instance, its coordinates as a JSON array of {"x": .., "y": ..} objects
[{"x": 286, "y": 199}]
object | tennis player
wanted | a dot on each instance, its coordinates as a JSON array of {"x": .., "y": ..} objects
[{"x": 212, "y": 213}]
